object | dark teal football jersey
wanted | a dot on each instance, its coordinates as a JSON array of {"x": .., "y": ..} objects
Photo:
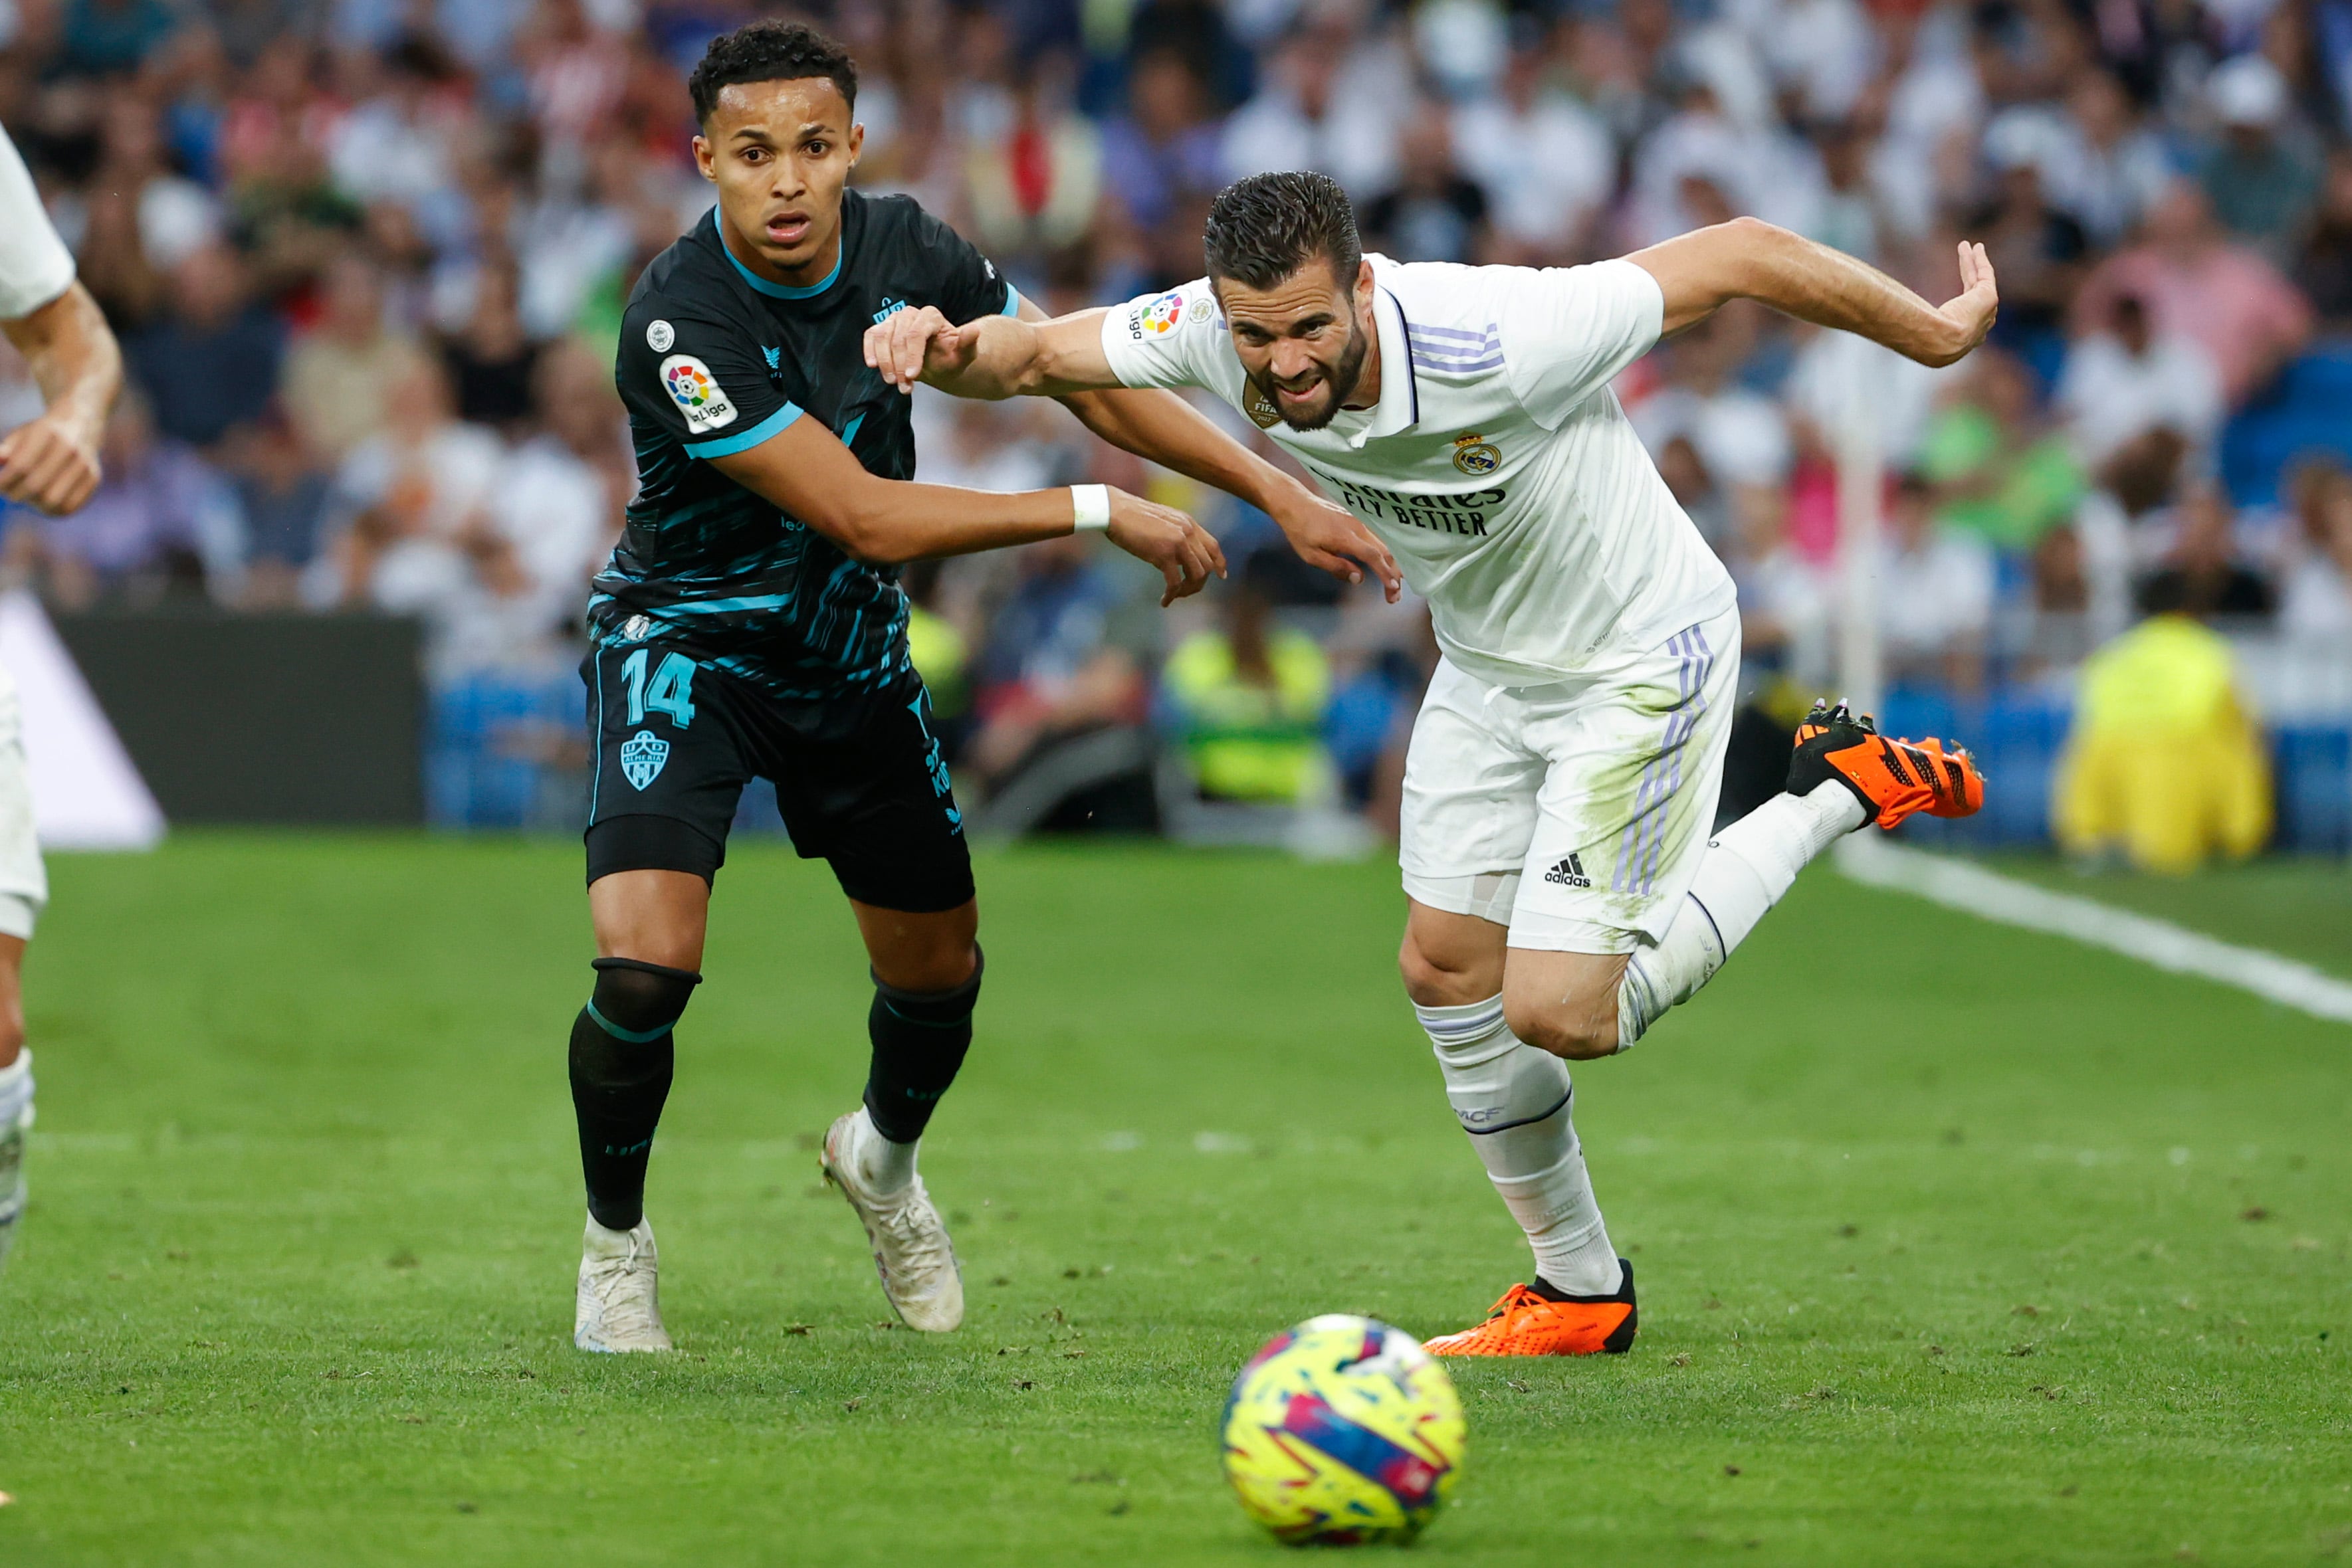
[{"x": 715, "y": 359}]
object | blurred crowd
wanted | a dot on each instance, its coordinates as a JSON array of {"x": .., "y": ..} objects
[{"x": 367, "y": 258}]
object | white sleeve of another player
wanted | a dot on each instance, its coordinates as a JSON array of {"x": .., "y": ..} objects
[
  {"x": 1167, "y": 339},
  {"x": 1567, "y": 330},
  {"x": 34, "y": 266}
]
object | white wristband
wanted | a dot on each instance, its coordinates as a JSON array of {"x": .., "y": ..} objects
[{"x": 1090, "y": 504}]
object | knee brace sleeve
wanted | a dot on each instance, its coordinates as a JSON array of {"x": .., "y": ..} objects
[
  {"x": 637, "y": 1002},
  {"x": 938, "y": 1009}
]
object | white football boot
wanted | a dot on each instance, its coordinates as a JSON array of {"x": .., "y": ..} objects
[
  {"x": 618, "y": 1308},
  {"x": 912, "y": 1250},
  {"x": 16, "y": 1120}
]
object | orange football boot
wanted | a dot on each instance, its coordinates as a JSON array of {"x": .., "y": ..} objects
[
  {"x": 1892, "y": 778},
  {"x": 1526, "y": 1323}
]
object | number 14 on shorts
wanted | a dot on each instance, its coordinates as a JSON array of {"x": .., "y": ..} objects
[{"x": 670, "y": 692}]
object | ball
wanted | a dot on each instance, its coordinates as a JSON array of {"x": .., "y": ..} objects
[{"x": 1343, "y": 1431}]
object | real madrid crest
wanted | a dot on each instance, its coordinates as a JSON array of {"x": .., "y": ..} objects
[
  {"x": 1476, "y": 455},
  {"x": 1259, "y": 407}
]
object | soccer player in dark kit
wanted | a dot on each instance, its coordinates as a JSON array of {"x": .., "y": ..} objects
[{"x": 751, "y": 623}]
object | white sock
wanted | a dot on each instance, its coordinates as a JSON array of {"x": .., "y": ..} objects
[
  {"x": 884, "y": 1166},
  {"x": 1513, "y": 1101},
  {"x": 17, "y": 1090},
  {"x": 1747, "y": 868}
]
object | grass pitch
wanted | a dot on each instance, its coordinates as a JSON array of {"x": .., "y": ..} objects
[{"x": 1956, "y": 1245}]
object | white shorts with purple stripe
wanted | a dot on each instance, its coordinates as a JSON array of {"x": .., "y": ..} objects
[
  {"x": 24, "y": 882},
  {"x": 1573, "y": 813}
]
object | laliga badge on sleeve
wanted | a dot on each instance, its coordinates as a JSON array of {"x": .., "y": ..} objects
[{"x": 691, "y": 386}]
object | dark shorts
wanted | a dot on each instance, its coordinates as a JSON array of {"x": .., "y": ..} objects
[{"x": 676, "y": 741}]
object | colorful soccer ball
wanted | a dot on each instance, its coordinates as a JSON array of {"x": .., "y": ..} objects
[{"x": 1342, "y": 1431}]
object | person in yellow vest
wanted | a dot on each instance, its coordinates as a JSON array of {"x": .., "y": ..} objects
[
  {"x": 938, "y": 648},
  {"x": 1248, "y": 700},
  {"x": 2164, "y": 763}
]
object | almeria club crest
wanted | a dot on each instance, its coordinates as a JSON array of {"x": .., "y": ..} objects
[{"x": 642, "y": 758}]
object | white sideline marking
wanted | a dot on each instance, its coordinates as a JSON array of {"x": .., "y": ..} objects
[{"x": 1988, "y": 895}]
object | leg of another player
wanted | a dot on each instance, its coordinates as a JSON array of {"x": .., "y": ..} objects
[
  {"x": 649, "y": 933},
  {"x": 927, "y": 974},
  {"x": 16, "y": 1088},
  {"x": 1514, "y": 1102}
]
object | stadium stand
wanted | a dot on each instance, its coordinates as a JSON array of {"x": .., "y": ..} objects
[{"x": 367, "y": 261}]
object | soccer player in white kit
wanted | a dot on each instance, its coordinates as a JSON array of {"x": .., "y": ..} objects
[
  {"x": 1562, "y": 887},
  {"x": 49, "y": 462}
]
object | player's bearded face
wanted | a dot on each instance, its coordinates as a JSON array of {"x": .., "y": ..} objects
[
  {"x": 1302, "y": 343},
  {"x": 779, "y": 153}
]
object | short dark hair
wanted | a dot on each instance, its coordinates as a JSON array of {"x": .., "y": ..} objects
[
  {"x": 1264, "y": 228},
  {"x": 768, "y": 50}
]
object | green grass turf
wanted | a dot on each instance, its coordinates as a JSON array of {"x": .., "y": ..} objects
[
  {"x": 1942, "y": 1232},
  {"x": 2301, "y": 908}
]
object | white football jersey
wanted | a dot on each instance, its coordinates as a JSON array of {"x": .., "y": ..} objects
[
  {"x": 1497, "y": 464},
  {"x": 34, "y": 266}
]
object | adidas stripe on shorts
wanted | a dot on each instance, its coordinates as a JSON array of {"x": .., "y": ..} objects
[{"x": 1574, "y": 813}]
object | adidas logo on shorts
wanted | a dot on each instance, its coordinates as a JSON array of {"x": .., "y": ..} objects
[{"x": 1568, "y": 873}]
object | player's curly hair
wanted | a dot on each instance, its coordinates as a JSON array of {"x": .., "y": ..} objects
[
  {"x": 768, "y": 50},
  {"x": 1264, "y": 228}
]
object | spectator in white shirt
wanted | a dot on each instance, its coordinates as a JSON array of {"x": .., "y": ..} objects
[
  {"x": 1312, "y": 115},
  {"x": 1902, "y": 393},
  {"x": 2109, "y": 166},
  {"x": 1740, "y": 435},
  {"x": 2129, "y": 379},
  {"x": 139, "y": 220},
  {"x": 559, "y": 496},
  {"x": 1545, "y": 159},
  {"x": 2316, "y": 589},
  {"x": 1784, "y": 604},
  {"x": 407, "y": 493},
  {"x": 1819, "y": 51},
  {"x": 1934, "y": 594}
]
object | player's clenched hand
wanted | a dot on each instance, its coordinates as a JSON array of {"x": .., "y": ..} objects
[
  {"x": 1331, "y": 538},
  {"x": 48, "y": 463},
  {"x": 1185, "y": 552},
  {"x": 1973, "y": 308},
  {"x": 905, "y": 345}
]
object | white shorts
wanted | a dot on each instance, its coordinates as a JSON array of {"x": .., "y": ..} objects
[
  {"x": 24, "y": 883},
  {"x": 1573, "y": 813}
]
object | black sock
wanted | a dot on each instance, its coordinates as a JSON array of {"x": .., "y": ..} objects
[
  {"x": 621, "y": 1062},
  {"x": 920, "y": 1038}
]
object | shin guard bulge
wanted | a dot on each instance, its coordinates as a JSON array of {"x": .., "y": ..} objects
[{"x": 1514, "y": 1101}]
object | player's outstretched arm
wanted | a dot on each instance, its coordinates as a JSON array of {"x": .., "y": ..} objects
[
  {"x": 51, "y": 461},
  {"x": 994, "y": 357},
  {"x": 1162, "y": 428},
  {"x": 1748, "y": 258},
  {"x": 1001, "y": 356},
  {"x": 813, "y": 477}
]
